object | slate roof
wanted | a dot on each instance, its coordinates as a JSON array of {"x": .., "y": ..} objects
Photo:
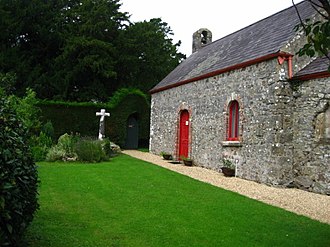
[
  {"x": 318, "y": 67},
  {"x": 258, "y": 40}
]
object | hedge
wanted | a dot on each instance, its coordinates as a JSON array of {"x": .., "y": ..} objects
[{"x": 80, "y": 117}]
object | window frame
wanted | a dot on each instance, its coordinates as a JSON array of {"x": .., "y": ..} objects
[{"x": 233, "y": 121}]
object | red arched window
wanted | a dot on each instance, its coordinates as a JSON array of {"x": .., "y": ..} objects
[{"x": 233, "y": 124}]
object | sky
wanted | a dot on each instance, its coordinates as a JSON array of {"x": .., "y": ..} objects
[{"x": 185, "y": 17}]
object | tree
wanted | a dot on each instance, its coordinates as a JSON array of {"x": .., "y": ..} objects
[
  {"x": 147, "y": 54},
  {"x": 317, "y": 33},
  {"x": 60, "y": 48},
  {"x": 85, "y": 68},
  {"x": 81, "y": 50},
  {"x": 28, "y": 39}
]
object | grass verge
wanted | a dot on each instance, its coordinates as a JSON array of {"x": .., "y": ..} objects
[{"x": 128, "y": 202}]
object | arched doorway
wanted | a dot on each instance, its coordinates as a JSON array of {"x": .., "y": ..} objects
[
  {"x": 132, "y": 135},
  {"x": 184, "y": 134}
]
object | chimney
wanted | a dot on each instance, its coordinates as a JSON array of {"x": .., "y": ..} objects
[{"x": 201, "y": 38}]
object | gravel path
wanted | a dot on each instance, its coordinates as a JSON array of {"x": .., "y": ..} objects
[{"x": 301, "y": 202}]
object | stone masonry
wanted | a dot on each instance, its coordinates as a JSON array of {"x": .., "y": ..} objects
[
  {"x": 284, "y": 125},
  {"x": 277, "y": 125},
  {"x": 311, "y": 136}
]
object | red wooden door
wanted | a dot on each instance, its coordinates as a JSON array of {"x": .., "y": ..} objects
[{"x": 184, "y": 134}]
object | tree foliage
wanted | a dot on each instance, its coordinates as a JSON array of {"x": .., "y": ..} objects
[
  {"x": 82, "y": 50},
  {"x": 149, "y": 54},
  {"x": 317, "y": 32},
  {"x": 27, "y": 111}
]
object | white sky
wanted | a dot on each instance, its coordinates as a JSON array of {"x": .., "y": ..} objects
[{"x": 187, "y": 16}]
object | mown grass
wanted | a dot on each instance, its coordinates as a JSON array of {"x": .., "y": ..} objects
[{"x": 128, "y": 202}]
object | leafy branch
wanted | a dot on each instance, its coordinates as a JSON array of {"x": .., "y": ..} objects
[{"x": 317, "y": 33}]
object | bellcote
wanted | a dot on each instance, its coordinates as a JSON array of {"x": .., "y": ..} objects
[{"x": 201, "y": 38}]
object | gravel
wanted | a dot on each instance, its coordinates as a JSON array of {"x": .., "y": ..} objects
[{"x": 312, "y": 205}]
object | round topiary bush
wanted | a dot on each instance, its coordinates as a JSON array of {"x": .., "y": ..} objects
[{"x": 18, "y": 178}]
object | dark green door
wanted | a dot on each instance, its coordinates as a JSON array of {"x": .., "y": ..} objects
[{"x": 132, "y": 137}]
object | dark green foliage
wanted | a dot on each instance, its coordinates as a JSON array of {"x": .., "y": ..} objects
[
  {"x": 62, "y": 48},
  {"x": 27, "y": 111},
  {"x": 317, "y": 32},
  {"x": 88, "y": 70},
  {"x": 48, "y": 129},
  {"x": 72, "y": 119},
  {"x": 147, "y": 54},
  {"x": 110, "y": 149},
  {"x": 318, "y": 39},
  {"x": 40, "y": 137},
  {"x": 106, "y": 147},
  {"x": 80, "y": 118},
  {"x": 40, "y": 146},
  {"x": 81, "y": 50},
  {"x": 7, "y": 82},
  {"x": 117, "y": 125},
  {"x": 89, "y": 150},
  {"x": 119, "y": 96},
  {"x": 18, "y": 177}
]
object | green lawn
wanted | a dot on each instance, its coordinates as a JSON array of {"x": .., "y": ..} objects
[{"x": 128, "y": 202}]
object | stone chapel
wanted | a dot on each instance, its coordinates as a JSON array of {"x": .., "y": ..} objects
[{"x": 248, "y": 98}]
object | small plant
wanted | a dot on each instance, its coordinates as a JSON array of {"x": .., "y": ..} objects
[
  {"x": 115, "y": 149},
  {"x": 166, "y": 156},
  {"x": 48, "y": 129},
  {"x": 73, "y": 147},
  {"x": 106, "y": 146},
  {"x": 67, "y": 142},
  {"x": 55, "y": 153},
  {"x": 64, "y": 150},
  {"x": 110, "y": 148},
  {"x": 187, "y": 161},
  {"x": 40, "y": 146},
  {"x": 182, "y": 157},
  {"x": 91, "y": 151},
  {"x": 227, "y": 163},
  {"x": 228, "y": 168}
]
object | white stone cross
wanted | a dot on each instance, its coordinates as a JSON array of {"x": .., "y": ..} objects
[{"x": 103, "y": 114}]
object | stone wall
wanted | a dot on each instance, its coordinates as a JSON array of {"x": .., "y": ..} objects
[
  {"x": 311, "y": 119},
  {"x": 265, "y": 151},
  {"x": 284, "y": 128}
]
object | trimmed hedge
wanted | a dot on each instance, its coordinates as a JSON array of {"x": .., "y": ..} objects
[
  {"x": 18, "y": 178},
  {"x": 80, "y": 117}
]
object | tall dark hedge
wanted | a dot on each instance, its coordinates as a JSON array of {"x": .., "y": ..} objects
[
  {"x": 18, "y": 178},
  {"x": 82, "y": 119}
]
